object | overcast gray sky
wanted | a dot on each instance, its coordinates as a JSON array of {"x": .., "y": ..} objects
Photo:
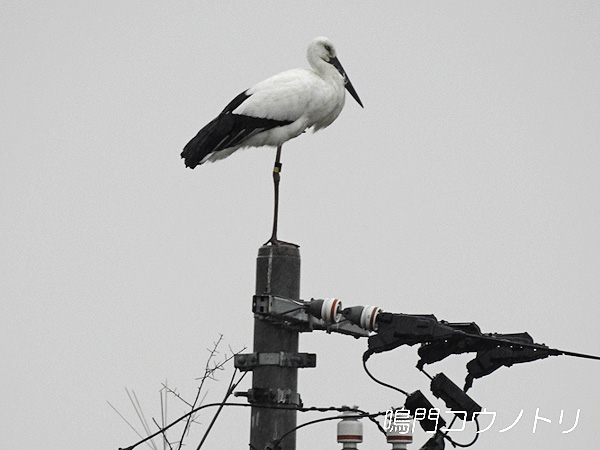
[{"x": 467, "y": 188}]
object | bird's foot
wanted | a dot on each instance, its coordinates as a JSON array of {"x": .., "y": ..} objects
[{"x": 277, "y": 243}]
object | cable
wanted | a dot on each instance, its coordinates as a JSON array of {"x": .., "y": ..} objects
[
  {"x": 246, "y": 405},
  {"x": 162, "y": 430},
  {"x": 366, "y": 356},
  {"x": 423, "y": 370},
  {"x": 343, "y": 409},
  {"x": 230, "y": 388},
  {"x": 446, "y": 435},
  {"x": 553, "y": 351},
  {"x": 277, "y": 441},
  {"x": 458, "y": 444}
]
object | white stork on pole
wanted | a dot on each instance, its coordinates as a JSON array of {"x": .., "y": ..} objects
[{"x": 275, "y": 111}]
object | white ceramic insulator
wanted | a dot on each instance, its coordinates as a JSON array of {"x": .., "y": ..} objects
[
  {"x": 349, "y": 431},
  {"x": 331, "y": 310},
  {"x": 368, "y": 318},
  {"x": 398, "y": 438}
]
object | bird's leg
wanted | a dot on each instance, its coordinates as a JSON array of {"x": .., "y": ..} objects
[{"x": 276, "y": 178}]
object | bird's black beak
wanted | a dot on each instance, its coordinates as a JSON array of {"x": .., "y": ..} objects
[{"x": 336, "y": 63}]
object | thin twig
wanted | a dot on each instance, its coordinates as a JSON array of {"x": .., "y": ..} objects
[
  {"x": 164, "y": 433},
  {"x": 171, "y": 391},
  {"x": 210, "y": 369},
  {"x": 211, "y": 355},
  {"x": 230, "y": 389},
  {"x": 126, "y": 421},
  {"x": 137, "y": 408},
  {"x": 176, "y": 421},
  {"x": 143, "y": 418},
  {"x": 163, "y": 417}
]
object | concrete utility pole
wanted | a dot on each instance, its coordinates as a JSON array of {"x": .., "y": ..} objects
[
  {"x": 279, "y": 317},
  {"x": 274, "y": 379}
]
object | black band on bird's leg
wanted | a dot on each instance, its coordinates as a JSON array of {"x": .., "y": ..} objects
[{"x": 277, "y": 167}]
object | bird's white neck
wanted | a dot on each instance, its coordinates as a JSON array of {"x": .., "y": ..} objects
[{"x": 325, "y": 70}]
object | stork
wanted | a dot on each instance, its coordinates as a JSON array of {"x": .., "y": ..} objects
[{"x": 276, "y": 110}]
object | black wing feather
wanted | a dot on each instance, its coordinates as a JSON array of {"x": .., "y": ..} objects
[
  {"x": 236, "y": 102},
  {"x": 226, "y": 130}
]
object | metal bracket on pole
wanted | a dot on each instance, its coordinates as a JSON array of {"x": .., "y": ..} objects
[
  {"x": 271, "y": 396},
  {"x": 293, "y": 314},
  {"x": 248, "y": 361}
]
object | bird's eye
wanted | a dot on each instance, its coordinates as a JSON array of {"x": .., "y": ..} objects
[{"x": 328, "y": 48}]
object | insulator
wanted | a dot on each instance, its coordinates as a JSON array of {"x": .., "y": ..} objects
[
  {"x": 399, "y": 437},
  {"x": 349, "y": 431},
  {"x": 329, "y": 309},
  {"x": 363, "y": 316}
]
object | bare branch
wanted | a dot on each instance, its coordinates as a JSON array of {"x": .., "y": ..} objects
[
  {"x": 211, "y": 355},
  {"x": 164, "y": 433},
  {"x": 172, "y": 392},
  {"x": 230, "y": 389},
  {"x": 210, "y": 369},
  {"x": 138, "y": 410},
  {"x": 126, "y": 421}
]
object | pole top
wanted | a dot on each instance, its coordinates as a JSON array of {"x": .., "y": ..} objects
[{"x": 279, "y": 250}]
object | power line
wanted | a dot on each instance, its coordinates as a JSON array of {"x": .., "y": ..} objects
[
  {"x": 361, "y": 413},
  {"x": 366, "y": 356},
  {"x": 275, "y": 443}
]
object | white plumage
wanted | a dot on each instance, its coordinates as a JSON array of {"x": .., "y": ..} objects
[{"x": 276, "y": 109}]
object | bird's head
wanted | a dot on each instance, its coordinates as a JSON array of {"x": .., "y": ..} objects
[{"x": 322, "y": 49}]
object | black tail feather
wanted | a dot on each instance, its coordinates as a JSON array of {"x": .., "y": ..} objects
[
  {"x": 201, "y": 145},
  {"x": 227, "y": 130}
]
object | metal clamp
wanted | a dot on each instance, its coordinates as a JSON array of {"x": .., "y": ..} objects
[
  {"x": 273, "y": 396},
  {"x": 248, "y": 361}
]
